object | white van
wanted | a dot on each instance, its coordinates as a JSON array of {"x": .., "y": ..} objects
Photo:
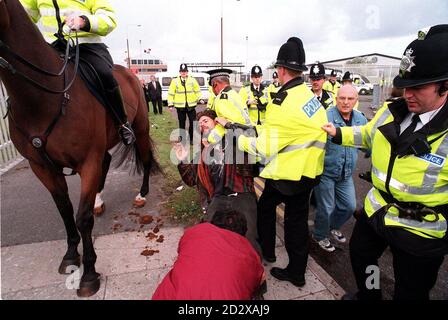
[{"x": 165, "y": 81}]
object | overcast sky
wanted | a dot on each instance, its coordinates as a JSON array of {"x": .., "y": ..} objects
[{"x": 189, "y": 31}]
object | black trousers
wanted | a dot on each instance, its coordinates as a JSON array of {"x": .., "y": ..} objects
[
  {"x": 246, "y": 204},
  {"x": 99, "y": 57},
  {"x": 182, "y": 114},
  {"x": 296, "y": 226},
  {"x": 157, "y": 103},
  {"x": 414, "y": 275}
]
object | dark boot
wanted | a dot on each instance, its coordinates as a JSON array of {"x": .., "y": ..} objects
[{"x": 119, "y": 114}]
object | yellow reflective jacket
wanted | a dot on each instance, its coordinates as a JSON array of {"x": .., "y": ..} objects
[
  {"x": 333, "y": 88},
  {"x": 180, "y": 94},
  {"x": 272, "y": 89},
  {"x": 228, "y": 104},
  {"x": 211, "y": 99},
  {"x": 407, "y": 178},
  {"x": 247, "y": 93},
  {"x": 290, "y": 142},
  {"x": 100, "y": 14}
]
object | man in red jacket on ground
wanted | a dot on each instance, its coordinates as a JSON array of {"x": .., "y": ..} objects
[{"x": 215, "y": 262}]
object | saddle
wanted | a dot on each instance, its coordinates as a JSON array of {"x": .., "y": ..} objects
[{"x": 87, "y": 73}]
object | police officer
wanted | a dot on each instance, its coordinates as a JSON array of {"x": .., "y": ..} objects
[
  {"x": 255, "y": 96},
  {"x": 274, "y": 86},
  {"x": 317, "y": 78},
  {"x": 332, "y": 84},
  {"x": 227, "y": 103},
  {"x": 92, "y": 20},
  {"x": 407, "y": 208},
  {"x": 293, "y": 154},
  {"x": 183, "y": 94}
]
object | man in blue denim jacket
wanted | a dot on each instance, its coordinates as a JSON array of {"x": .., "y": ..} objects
[{"x": 335, "y": 195}]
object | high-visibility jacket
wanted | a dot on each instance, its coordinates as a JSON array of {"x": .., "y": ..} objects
[
  {"x": 333, "y": 88},
  {"x": 257, "y": 116},
  {"x": 228, "y": 104},
  {"x": 290, "y": 142},
  {"x": 273, "y": 88},
  {"x": 422, "y": 179},
  {"x": 327, "y": 99},
  {"x": 184, "y": 95},
  {"x": 100, "y": 14},
  {"x": 211, "y": 98}
]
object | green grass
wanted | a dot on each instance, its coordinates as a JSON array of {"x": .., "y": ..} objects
[{"x": 182, "y": 206}]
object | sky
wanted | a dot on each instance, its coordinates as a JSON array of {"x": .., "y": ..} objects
[{"x": 190, "y": 31}]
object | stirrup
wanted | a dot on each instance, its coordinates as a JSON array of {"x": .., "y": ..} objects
[{"x": 126, "y": 134}]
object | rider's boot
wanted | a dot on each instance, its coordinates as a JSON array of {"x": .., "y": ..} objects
[{"x": 124, "y": 128}]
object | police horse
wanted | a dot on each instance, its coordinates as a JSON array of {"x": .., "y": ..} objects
[{"x": 55, "y": 122}]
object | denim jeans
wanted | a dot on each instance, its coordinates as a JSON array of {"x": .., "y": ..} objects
[{"x": 335, "y": 203}]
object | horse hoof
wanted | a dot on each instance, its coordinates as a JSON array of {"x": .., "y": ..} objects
[
  {"x": 100, "y": 210},
  {"x": 65, "y": 264},
  {"x": 139, "y": 203},
  {"x": 88, "y": 288}
]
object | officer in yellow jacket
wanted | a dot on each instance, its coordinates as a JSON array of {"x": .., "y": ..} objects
[
  {"x": 407, "y": 208},
  {"x": 292, "y": 147},
  {"x": 274, "y": 86},
  {"x": 183, "y": 94},
  {"x": 227, "y": 103},
  {"x": 91, "y": 20},
  {"x": 255, "y": 96},
  {"x": 332, "y": 84}
]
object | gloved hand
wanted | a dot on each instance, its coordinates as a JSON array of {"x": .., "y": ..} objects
[{"x": 75, "y": 22}]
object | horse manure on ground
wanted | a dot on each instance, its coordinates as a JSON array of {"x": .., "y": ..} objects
[
  {"x": 156, "y": 229},
  {"x": 149, "y": 252},
  {"x": 147, "y": 219},
  {"x": 160, "y": 239}
]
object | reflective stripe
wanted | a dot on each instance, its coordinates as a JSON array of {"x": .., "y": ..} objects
[
  {"x": 171, "y": 94},
  {"x": 437, "y": 226},
  {"x": 49, "y": 37},
  {"x": 433, "y": 171},
  {"x": 357, "y": 135},
  {"x": 424, "y": 190},
  {"x": 253, "y": 145},
  {"x": 94, "y": 23},
  {"x": 294, "y": 147},
  {"x": 50, "y": 12},
  {"x": 375, "y": 204},
  {"x": 241, "y": 110},
  {"x": 215, "y": 136},
  {"x": 379, "y": 123}
]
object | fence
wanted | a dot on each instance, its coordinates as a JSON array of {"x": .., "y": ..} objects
[{"x": 9, "y": 156}]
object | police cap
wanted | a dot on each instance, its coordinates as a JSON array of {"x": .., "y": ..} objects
[
  {"x": 292, "y": 55},
  {"x": 425, "y": 59},
  {"x": 183, "y": 67},
  {"x": 218, "y": 73},
  {"x": 348, "y": 76},
  {"x": 317, "y": 71},
  {"x": 256, "y": 71}
]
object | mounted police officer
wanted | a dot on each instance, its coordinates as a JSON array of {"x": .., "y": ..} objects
[
  {"x": 407, "y": 208},
  {"x": 92, "y": 20}
]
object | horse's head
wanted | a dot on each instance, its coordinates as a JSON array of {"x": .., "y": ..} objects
[{"x": 4, "y": 16}]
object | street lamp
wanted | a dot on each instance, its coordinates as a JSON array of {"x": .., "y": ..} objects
[{"x": 127, "y": 41}]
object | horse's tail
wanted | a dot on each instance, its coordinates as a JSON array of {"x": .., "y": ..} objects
[{"x": 130, "y": 157}]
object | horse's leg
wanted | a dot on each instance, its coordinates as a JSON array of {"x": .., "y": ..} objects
[
  {"x": 99, "y": 206},
  {"x": 90, "y": 179},
  {"x": 145, "y": 156},
  {"x": 57, "y": 186}
]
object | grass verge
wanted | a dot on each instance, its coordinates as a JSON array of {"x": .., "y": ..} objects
[{"x": 181, "y": 206}]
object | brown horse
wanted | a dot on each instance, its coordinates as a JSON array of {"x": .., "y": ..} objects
[{"x": 80, "y": 136}]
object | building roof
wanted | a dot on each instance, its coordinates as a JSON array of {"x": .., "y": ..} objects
[{"x": 361, "y": 56}]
